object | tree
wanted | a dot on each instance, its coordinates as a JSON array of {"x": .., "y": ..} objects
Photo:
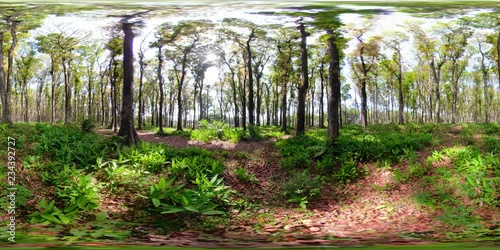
[
  {"x": 26, "y": 66},
  {"x": 127, "y": 128},
  {"x": 302, "y": 89},
  {"x": 18, "y": 21},
  {"x": 395, "y": 42},
  {"x": 363, "y": 61},
  {"x": 190, "y": 33}
]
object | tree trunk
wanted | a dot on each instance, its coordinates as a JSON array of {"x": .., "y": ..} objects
[
  {"x": 141, "y": 83},
  {"x": 67, "y": 92},
  {"x": 2, "y": 77},
  {"x": 322, "y": 94},
  {"x": 127, "y": 128},
  {"x": 334, "y": 88},
  {"x": 53, "y": 92},
  {"x": 251, "y": 103},
  {"x": 400, "y": 91},
  {"x": 498, "y": 58},
  {"x": 160, "y": 84},
  {"x": 6, "y": 111},
  {"x": 302, "y": 89},
  {"x": 179, "y": 93}
]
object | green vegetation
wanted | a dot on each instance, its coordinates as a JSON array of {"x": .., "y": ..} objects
[{"x": 180, "y": 187}]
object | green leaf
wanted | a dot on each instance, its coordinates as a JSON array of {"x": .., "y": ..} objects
[
  {"x": 51, "y": 218},
  {"x": 101, "y": 216},
  {"x": 78, "y": 232},
  {"x": 173, "y": 210},
  {"x": 156, "y": 202},
  {"x": 213, "y": 212},
  {"x": 192, "y": 208},
  {"x": 64, "y": 218}
]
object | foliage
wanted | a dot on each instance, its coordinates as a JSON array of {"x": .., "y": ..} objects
[
  {"x": 66, "y": 145},
  {"x": 242, "y": 174},
  {"x": 301, "y": 187},
  {"x": 347, "y": 172},
  {"x": 48, "y": 213},
  {"x": 88, "y": 125},
  {"x": 217, "y": 130},
  {"x": 77, "y": 191},
  {"x": 208, "y": 195}
]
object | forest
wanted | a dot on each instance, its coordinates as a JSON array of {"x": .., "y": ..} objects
[{"x": 245, "y": 124}]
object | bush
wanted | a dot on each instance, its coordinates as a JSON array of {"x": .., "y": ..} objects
[
  {"x": 301, "y": 187},
  {"x": 206, "y": 196},
  {"x": 87, "y": 126},
  {"x": 242, "y": 174},
  {"x": 347, "y": 173}
]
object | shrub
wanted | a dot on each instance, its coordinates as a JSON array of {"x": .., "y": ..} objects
[
  {"x": 242, "y": 174},
  {"x": 87, "y": 125},
  {"x": 204, "y": 198},
  {"x": 301, "y": 187},
  {"x": 348, "y": 172}
]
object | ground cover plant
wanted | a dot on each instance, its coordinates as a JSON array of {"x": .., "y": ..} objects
[{"x": 455, "y": 183}]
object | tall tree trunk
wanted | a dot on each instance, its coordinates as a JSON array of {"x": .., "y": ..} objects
[
  {"x": 322, "y": 94},
  {"x": 251, "y": 103},
  {"x": 302, "y": 89},
  {"x": 334, "y": 88},
  {"x": 53, "y": 92},
  {"x": 103, "y": 120},
  {"x": 179, "y": 93},
  {"x": 127, "y": 128},
  {"x": 38, "y": 99},
  {"x": 67, "y": 91},
  {"x": 498, "y": 58},
  {"x": 160, "y": 84},
  {"x": 89, "y": 75},
  {"x": 2, "y": 76},
  {"x": 400, "y": 91},
  {"x": 6, "y": 112},
  {"x": 141, "y": 83},
  {"x": 436, "y": 73},
  {"x": 235, "y": 101}
]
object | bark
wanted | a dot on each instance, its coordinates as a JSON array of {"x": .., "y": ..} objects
[
  {"x": 400, "y": 90},
  {"x": 67, "y": 91},
  {"x": 89, "y": 75},
  {"x": 179, "y": 90},
  {"x": 251, "y": 103},
  {"x": 141, "y": 83},
  {"x": 321, "y": 95},
  {"x": 127, "y": 128},
  {"x": 38, "y": 99},
  {"x": 160, "y": 84},
  {"x": 6, "y": 98},
  {"x": 302, "y": 89},
  {"x": 498, "y": 58},
  {"x": 334, "y": 88},
  {"x": 2, "y": 75},
  {"x": 436, "y": 74},
  {"x": 53, "y": 91}
]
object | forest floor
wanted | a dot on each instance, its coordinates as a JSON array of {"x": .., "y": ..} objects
[
  {"x": 375, "y": 208},
  {"x": 378, "y": 207}
]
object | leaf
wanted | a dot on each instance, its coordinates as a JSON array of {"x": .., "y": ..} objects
[
  {"x": 51, "y": 218},
  {"x": 213, "y": 212},
  {"x": 64, "y": 218},
  {"x": 192, "y": 209},
  {"x": 101, "y": 216},
  {"x": 156, "y": 202},
  {"x": 173, "y": 210},
  {"x": 78, "y": 232}
]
